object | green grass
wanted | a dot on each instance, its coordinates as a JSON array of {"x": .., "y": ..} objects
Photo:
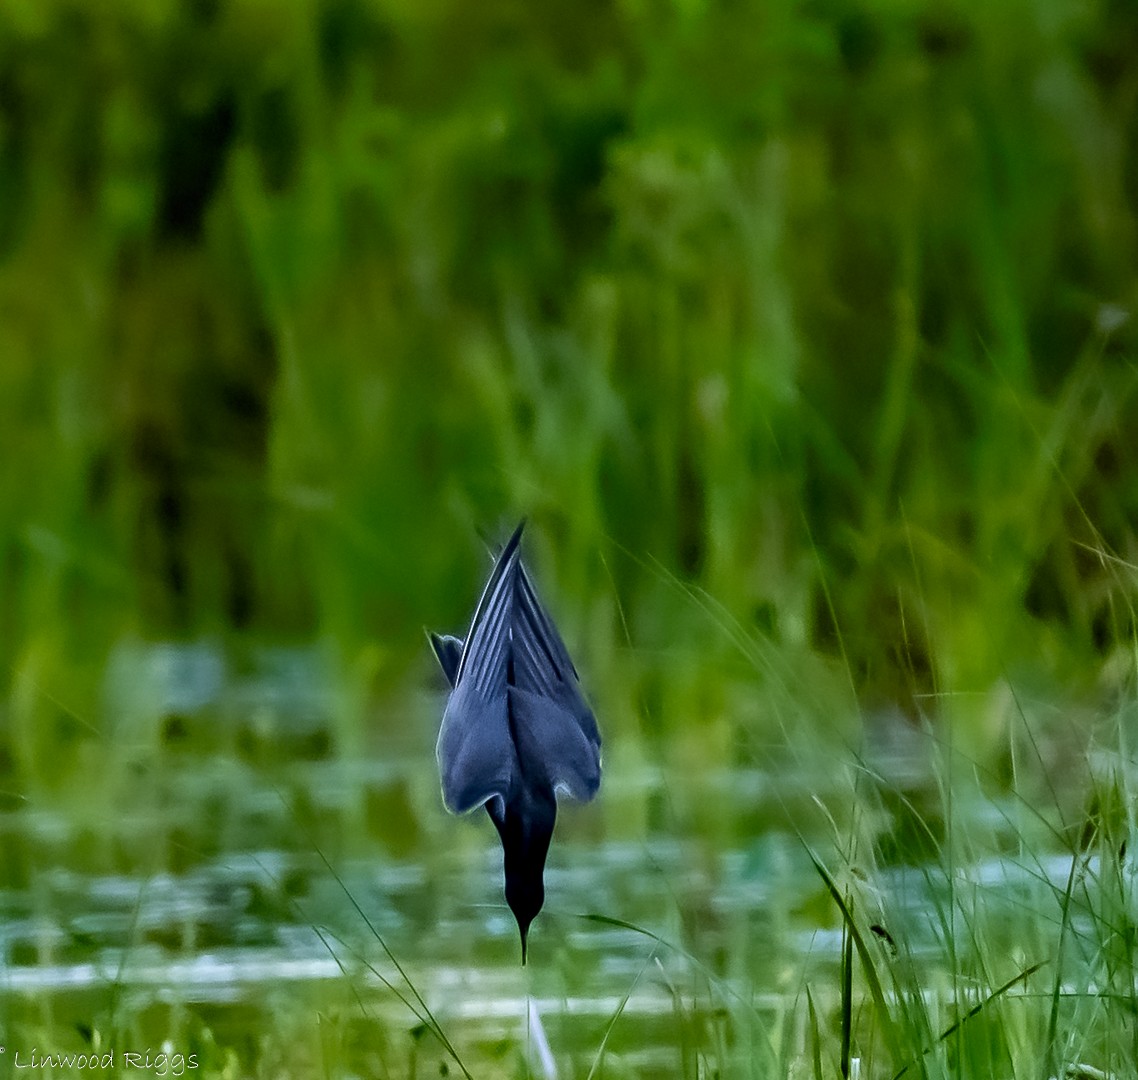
[{"x": 804, "y": 335}]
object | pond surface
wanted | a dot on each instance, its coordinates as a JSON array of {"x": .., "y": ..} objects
[{"x": 247, "y": 868}]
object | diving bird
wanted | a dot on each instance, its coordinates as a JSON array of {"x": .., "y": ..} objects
[{"x": 516, "y": 729}]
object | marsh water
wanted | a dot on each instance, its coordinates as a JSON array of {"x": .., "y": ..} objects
[{"x": 250, "y": 862}]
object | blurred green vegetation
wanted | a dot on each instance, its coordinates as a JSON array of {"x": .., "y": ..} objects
[
  {"x": 825, "y": 309},
  {"x": 803, "y": 332}
]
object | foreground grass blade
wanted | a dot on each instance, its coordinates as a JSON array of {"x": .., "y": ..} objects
[
  {"x": 815, "y": 1037},
  {"x": 616, "y": 1015},
  {"x": 426, "y": 1017},
  {"x": 888, "y": 1027},
  {"x": 975, "y": 1011},
  {"x": 419, "y": 1008},
  {"x": 847, "y": 996}
]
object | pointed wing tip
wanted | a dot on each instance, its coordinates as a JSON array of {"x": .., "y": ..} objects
[
  {"x": 494, "y": 610},
  {"x": 515, "y": 538}
]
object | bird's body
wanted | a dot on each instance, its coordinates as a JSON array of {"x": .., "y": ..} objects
[{"x": 516, "y": 729}]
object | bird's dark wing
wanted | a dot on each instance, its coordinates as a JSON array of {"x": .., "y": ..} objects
[
  {"x": 543, "y": 630},
  {"x": 553, "y": 747},
  {"x": 541, "y": 661},
  {"x": 477, "y": 759},
  {"x": 448, "y": 652},
  {"x": 555, "y": 730},
  {"x": 476, "y": 754}
]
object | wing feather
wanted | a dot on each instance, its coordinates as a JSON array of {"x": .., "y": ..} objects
[
  {"x": 541, "y": 660},
  {"x": 553, "y": 746},
  {"x": 476, "y": 752},
  {"x": 448, "y": 652},
  {"x": 485, "y": 654}
]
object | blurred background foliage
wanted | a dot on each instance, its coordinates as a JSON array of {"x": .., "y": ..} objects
[{"x": 804, "y": 332}]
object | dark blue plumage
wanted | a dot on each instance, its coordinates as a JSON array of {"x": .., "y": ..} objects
[{"x": 516, "y": 728}]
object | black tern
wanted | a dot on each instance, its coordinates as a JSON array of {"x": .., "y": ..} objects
[{"x": 516, "y": 730}]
